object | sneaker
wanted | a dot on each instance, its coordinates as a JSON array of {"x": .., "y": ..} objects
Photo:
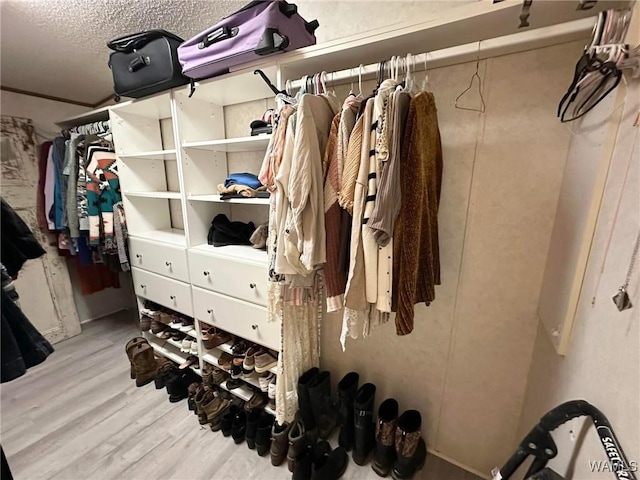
[
  {"x": 236, "y": 367},
  {"x": 225, "y": 361},
  {"x": 249, "y": 359},
  {"x": 187, "y": 325},
  {"x": 176, "y": 322},
  {"x": 178, "y": 336},
  {"x": 186, "y": 345},
  {"x": 264, "y": 361},
  {"x": 194, "y": 347},
  {"x": 264, "y": 380}
]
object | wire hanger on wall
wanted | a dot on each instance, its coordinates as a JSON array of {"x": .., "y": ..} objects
[{"x": 475, "y": 75}]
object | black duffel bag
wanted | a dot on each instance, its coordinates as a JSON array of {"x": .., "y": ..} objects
[{"x": 145, "y": 63}]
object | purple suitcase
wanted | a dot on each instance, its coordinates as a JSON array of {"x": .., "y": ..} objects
[{"x": 258, "y": 29}]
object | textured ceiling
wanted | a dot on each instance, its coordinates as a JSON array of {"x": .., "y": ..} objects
[{"x": 58, "y": 47}]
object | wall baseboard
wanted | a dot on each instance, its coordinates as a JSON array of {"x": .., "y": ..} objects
[{"x": 91, "y": 319}]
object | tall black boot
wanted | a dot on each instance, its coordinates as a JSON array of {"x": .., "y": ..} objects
[
  {"x": 304, "y": 403},
  {"x": 385, "y": 453},
  {"x": 347, "y": 389},
  {"x": 322, "y": 405},
  {"x": 364, "y": 436},
  {"x": 411, "y": 450}
]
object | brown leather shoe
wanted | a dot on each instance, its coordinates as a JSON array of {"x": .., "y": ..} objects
[
  {"x": 219, "y": 376},
  {"x": 257, "y": 400},
  {"x": 131, "y": 344},
  {"x": 217, "y": 339},
  {"x": 144, "y": 364},
  {"x": 225, "y": 361}
]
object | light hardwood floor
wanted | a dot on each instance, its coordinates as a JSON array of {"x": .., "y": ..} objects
[{"x": 79, "y": 416}]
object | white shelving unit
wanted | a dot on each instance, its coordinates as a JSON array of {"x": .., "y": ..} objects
[{"x": 172, "y": 153}]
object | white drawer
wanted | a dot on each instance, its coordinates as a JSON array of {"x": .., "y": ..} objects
[
  {"x": 240, "y": 280},
  {"x": 162, "y": 259},
  {"x": 169, "y": 293},
  {"x": 241, "y": 318}
]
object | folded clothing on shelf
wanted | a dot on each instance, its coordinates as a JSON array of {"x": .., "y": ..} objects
[
  {"x": 225, "y": 232},
  {"x": 240, "y": 190},
  {"x": 248, "y": 179},
  {"x": 258, "y": 194}
]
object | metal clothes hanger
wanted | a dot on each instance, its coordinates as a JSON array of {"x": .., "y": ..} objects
[
  {"x": 425, "y": 87},
  {"x": 473, "y": 77},
  {"x": 360, "y": 67}
]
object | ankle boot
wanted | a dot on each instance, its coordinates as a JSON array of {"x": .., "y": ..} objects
[
  {"x": 199, "y": 398},
  {"x": 263, "y": 434},
  {"x": 227, "y": 419},
  {"x": 191, "y": 395},
  {"x": 411, "y": 450},
  {"x": 179, "y": 382},
  {"x": 252, "y": 426},
  {"x": 331, "y": 466},
  {"x": 346, "y": 393},
  {"x": 129, "y": 349},
  {"x": 322, "y": 405},
  {"x": 364, "y": 436},
  {"x": 298, "y": 442},
  {"x": 279, "y": 443},
  {"x": 239, "y": 427},
  {"x": 144, "y": 364},
  {"x": 163, "y": 374},
  {"x": 304, "y": 403},
  {"x": 212, "y": 410},
  {"x": 385, "y": 453}
]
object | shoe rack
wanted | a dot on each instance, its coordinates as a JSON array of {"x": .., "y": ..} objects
[{"x": 172, "y": 153}]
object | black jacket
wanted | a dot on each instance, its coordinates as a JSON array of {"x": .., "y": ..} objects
[{"x": 18, "y": 243}]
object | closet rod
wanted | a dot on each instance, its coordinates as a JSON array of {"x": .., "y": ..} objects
[{"x": 517, "y": 42}]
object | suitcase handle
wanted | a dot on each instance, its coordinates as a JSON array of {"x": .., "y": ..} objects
[
  {"x": 129, "y": 43},
  {"x": 138, "y": 62},
  {"x": 222, "y": 33}
]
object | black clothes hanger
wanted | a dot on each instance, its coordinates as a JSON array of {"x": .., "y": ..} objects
[{"x": 271, "y": 86}]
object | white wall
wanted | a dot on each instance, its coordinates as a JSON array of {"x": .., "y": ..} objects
[
  {"x": 44, "y": 114},
  {"x": 603, "y": 362}
]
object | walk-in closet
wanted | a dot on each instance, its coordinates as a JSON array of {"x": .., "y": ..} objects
[{"x": 314, "y": 240}]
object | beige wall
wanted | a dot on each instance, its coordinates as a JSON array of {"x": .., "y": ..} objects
[
  {"x": 603, "y": 362},
  {"x": 44, "y": 114}
]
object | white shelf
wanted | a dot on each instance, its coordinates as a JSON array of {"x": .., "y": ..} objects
[
  {"x": 156, "y": 155},
  {"x": 241, "y": 144},
  {"x": 241, "y": 201},
  {"x": 167, "y": 195},
  {"x": 171, "y": 236},
  {"x": 161, "y": 349},
  {"x": 239, "y": 253}
]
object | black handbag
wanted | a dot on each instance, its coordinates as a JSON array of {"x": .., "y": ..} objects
[{"x": 145, "y": 63}]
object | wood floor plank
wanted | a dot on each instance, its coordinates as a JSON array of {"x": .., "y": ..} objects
[{"x": 79, "y": 416}]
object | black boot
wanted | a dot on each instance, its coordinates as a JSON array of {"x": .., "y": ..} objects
[
  {"x": 385, "y": 453},
  {"x": 226, "y": 423},
  {"x": 332, "y": 466},
  {"x": 263, "y": 435},
  {"x": 239, "y": 426},
  {"x": 411, "y": 450},
  {"x": 347, "y": 389},
  {"x": 304, "y": 403},
  {"x": 364, "y": 436},
  {"x": 252, "y": 426},
  {"x": 303, "y": 467},
  {"x": 322, "y": 405}
]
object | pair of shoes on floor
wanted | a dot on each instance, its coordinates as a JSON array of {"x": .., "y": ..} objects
[
  {"x": 400, "y": 448},
  {"x": 178, "y": 380},
  {"x": 143, "y": 365}
]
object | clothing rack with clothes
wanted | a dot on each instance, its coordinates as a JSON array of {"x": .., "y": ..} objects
[{"x": 79, "y": 202}]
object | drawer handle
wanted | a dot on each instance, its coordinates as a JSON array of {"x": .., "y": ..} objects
[
  {"x": 143, "y": 286},
  {"x": 254, "y": 326},
  {"x": 172, "y": 297},
  {"x": 206, "y": 274},
  {"x": 138, "y": 255},
  {"x": 168, "y": 264},
  {"x": 252, "y": 285},
  {"x": 209, "y": 311}
]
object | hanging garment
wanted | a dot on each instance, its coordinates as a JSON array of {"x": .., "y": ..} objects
[
  {"x": 121, "y": 234},
  {"x": 73, "y": 221},
  {"x": 17, "y": 242},
  {"x": 49, "y": 191},
  {"x": 334, "y": 274},
  {"x": 273, "y": 157},
  {"x": 41, "y": 212},
  {"x": 60, "y": 186},
  {"x": 416, "y": 257},
  {"x": 103, "y": 191},
  {"x": 22, "y": 345},
  {"x": 304, "y": 233}
]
